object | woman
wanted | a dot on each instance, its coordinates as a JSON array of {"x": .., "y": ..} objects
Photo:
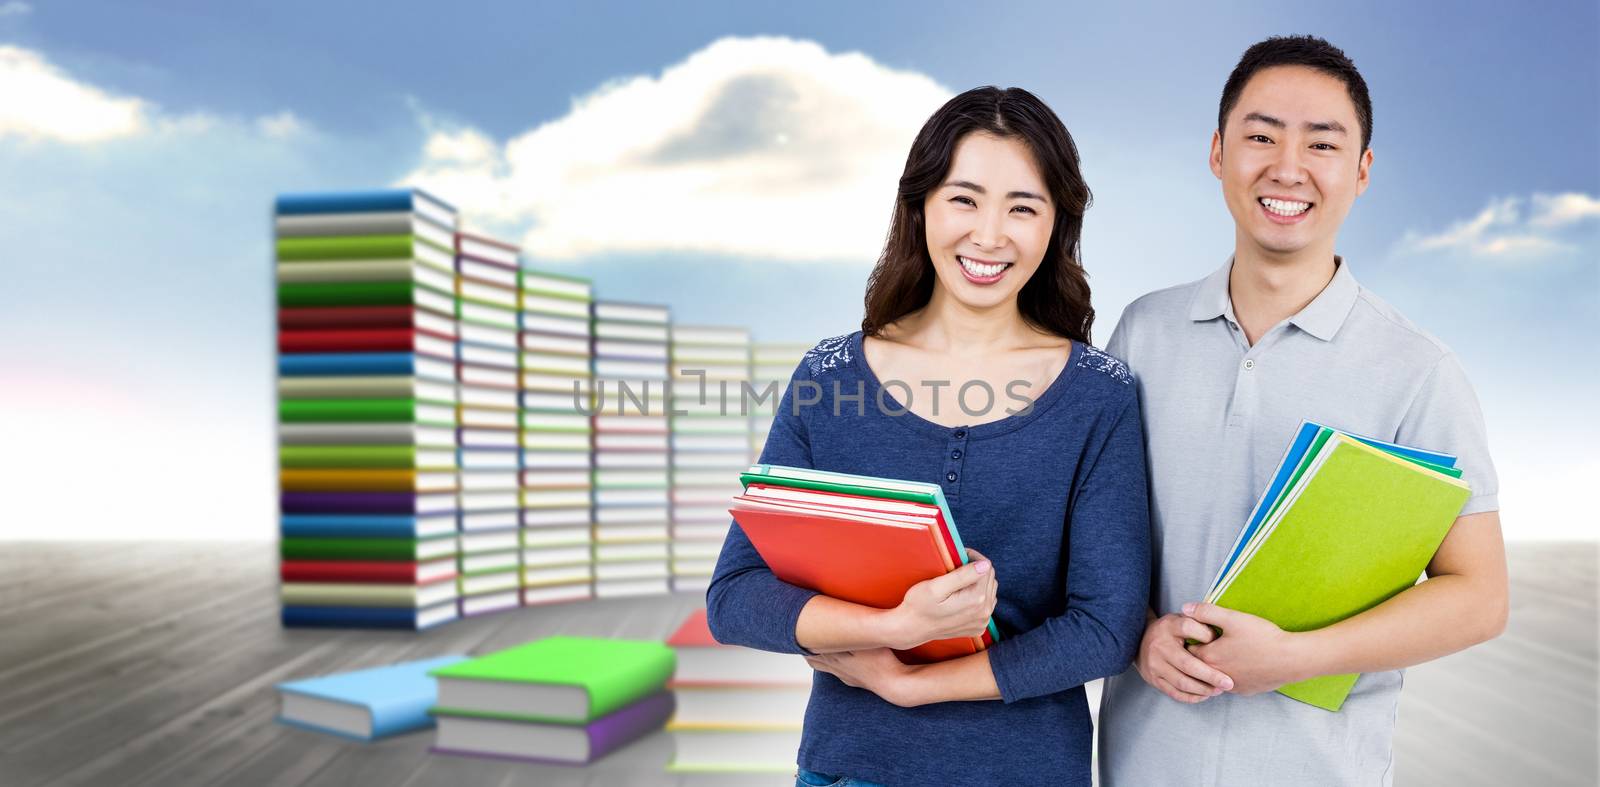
[{"x": 972, "y": 370}]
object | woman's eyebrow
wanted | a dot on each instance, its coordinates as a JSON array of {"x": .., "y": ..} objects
[{"x": 967, "y": 184}]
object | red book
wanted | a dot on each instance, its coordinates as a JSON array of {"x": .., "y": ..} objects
[
  {"x": 367, "y": 571},
  {"x": 347, "y": 317},
  {"x": 852, "y": 556},
  {"x": 355, "y": 340}
]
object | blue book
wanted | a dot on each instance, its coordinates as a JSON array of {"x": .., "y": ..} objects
[
  {"x": 1303, "y": 438},
  {"x": 365, "y": 704},
  {"x": 375, "y": 201},
  {"x": 295, "y": 616},
  {"x": 360, "y": 364},
  {"x": 368, "y": 525}
]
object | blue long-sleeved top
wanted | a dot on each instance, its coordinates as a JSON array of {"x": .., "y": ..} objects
[{"x": 1054, "y": 496}]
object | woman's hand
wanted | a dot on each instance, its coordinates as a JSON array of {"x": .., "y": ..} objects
[
  {"x": 877, "y": 670},
  {"x": 957, "y": 604}
]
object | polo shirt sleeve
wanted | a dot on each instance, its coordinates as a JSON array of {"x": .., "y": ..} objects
[
  {"x": 746, "y": 603},
  {"x": 1444, "y": 416},
  {"x": 1108, "y": 577}
]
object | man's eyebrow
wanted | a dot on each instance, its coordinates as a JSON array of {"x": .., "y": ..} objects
[
  {"x": 1267, "y": 119},
  {"x": 1327, "y": 125},
  {"x": 967, "y": 184}
]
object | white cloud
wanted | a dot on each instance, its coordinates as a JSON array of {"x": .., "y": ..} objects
[
  {"x": 43, "y": 102},
  {"x": 283, "y": 125},
  {"x": 1508, "y": 229},
  {"x": 15, "y": 8},
  {"x": 751, "y": 146}
]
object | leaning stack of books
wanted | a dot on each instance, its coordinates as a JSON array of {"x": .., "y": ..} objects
[
  {"x": 562, "y": 699},
  {"x": 367, "y": 408},
  {"x": 739, "y": 710},
  {"x": 880, "y": 536},
  {"x": 711, "y": 418},
  {"x": 488, "y": 372},
  {"x": 632, "y": 453},
  {"x": 557, "y": 450},
  {"x": 1346, "y": 523},
  {"x": 771, "y": 366}
]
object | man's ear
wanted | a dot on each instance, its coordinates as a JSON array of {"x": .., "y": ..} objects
[
  {"x": 1364, "y": 171},
  {"x": 1216, "y": 153}
]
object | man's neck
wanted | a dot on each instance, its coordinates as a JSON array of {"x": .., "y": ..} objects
[{"x": 1267, "y": 289}]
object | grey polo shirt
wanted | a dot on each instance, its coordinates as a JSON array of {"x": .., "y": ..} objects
[{"x": 1218, "y": 415}]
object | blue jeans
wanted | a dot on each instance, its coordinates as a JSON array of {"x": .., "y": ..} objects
[{"x": 805, "y": 778}]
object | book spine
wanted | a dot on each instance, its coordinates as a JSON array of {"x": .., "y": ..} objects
[
  {"x": 349, "y": 617},
  {"x": 346, "y": 480},
  {"x": 349, "y": 502},
  {"x": 349, "y": 202},
  {"x": 345, "y": 247},
  {"x": 347, "y": 317},
  {"x": 358, "y": 549},
  {"x": 620, "y": 690},
  {"x": 353, "y": 364},
  {"x": 346, "y": 410},
  {"x": 347, "y": 294},
  {"x": 348, "y": 341},
  {"x": 351, "y": 456}
]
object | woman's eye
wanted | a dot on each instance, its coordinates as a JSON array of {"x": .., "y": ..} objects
[
  {"x": 964, "y": 201},
  {"x": 1025, "y": 209}
]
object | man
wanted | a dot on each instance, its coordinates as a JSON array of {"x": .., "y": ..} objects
[{"x": 1227, "y": 367}]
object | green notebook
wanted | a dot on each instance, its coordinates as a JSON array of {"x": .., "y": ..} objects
[
  {"x": 564, "y": 680},
  {"x": 1356, "y": 526}
]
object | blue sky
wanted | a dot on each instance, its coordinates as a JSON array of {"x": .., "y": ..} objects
[{"x": 137, "y": 312}]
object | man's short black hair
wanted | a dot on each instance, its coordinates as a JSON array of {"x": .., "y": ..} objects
[{"x": 1308, "y": 51}]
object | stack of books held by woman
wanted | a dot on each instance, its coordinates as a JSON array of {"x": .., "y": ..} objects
[
  {"x": 856, "y": 538},
  {"x": 1346, "y": 523}
]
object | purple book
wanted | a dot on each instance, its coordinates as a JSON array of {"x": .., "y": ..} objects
[
  {"x": 561, "y": 744},
  {"x": 349, "y": 502}
]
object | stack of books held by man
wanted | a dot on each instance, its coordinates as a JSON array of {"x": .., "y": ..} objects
[
  {"x": 632, "y": 453},
  {"x": 710, "y": 444},
  {"x": 557, "y": 435},
  {"x": 488, "y": 370},
  {"x": 365, "y": 704},
  {"x": 857, "y": 538},
  {"x": 1346, "y": 523},
  {"x": 367, "y": 408},
  {"x": 739, "y": 709},
  {"x": 561, "y": 699}
]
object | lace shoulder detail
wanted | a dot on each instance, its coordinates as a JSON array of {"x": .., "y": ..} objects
[
  {"x": 829, "y": 354},
  {"x": 1104, "y": 363}
]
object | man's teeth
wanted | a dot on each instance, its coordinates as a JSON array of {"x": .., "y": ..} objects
[
  {"x": 981, "y": 270},
  {"x": 1285, "y": 207}
]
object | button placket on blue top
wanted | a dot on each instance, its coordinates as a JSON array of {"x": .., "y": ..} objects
[{"x": 955, "y": 454}]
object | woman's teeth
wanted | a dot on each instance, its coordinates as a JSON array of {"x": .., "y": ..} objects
[
  {"x": 982, "y": 270},
  {"x": 1285, "y": 207}
]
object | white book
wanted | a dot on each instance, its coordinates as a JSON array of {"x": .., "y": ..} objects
[
  {"x": 488, "y": 314},
  {"x": 629, "y": 587},
  {"x": 556, "y": 479},
  {"x": 558, "y": 575},
  {"x": 539, "y": 324},
  {"x": 475, "y": 521},
  {"x": 492, "y": 602},
  {"x": 488, "y": 480},
  {"x": 555, "y": 594},
  {"x": 487, "y": 272},
  {"x": 559, "y": 307},
  {"x": 488, "y": 249},
  {"x": 492, "y": 541},
  {"x": 488, "y": 293},
  {"x": 553, "y": 517},
  {"x": 557, "y": 556},
  {"x": 536, "y": 281},
  {"x": 488, "y": 438},
  {"x": 631, "y": 312},
  {"x": 488, "y": 334},
  {"x": 488, "y": 356},
  {"x": 487, "y": 501}
]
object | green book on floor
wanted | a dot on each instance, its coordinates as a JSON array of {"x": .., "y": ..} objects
[
  {"x": 564, "y": 680},
  {"x": 1357, "y": 526}
]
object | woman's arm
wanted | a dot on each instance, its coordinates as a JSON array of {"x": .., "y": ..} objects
[
  {"x": 957, "y": 604},
  {"x": 1107, "y": 598}
]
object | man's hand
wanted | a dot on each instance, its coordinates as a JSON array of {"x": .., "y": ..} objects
[
  {"x": 1252, "y": 650},
  {"x": 1166, "y": 664},
  {"x": 876, "y": 670},
  {"x": 957, "y": 604}
]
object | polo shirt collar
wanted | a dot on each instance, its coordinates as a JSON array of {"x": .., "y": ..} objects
[{"x": 1322, "y": 317}]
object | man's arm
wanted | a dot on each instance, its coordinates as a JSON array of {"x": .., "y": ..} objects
[{"x": 1464, "y": 601}]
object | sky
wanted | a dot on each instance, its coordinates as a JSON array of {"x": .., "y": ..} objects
[{"x": 737, "y": 162}]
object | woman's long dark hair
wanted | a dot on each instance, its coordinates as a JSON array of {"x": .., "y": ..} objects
[{"x": 1056, "y": 298}]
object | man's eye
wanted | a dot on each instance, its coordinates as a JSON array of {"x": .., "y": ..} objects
[
  {"x": 1323, "y": 146},
  {"x": 1259, "y": 138}
]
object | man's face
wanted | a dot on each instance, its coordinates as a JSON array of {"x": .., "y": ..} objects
[{"x": 1290, "y": 161}]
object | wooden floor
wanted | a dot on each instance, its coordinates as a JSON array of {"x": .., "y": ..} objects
[{"x": 154, "y": 663}]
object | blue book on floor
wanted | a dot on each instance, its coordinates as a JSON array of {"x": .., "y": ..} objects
[
  {"x": 307, "y": 616},
  {"x": 365, "y": 704}
]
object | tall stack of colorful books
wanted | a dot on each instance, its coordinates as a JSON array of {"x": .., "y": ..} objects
[
  {"x": 738, "y": 709},
  {"x": 711, "y": 419},
  {"x": 488, "y": 373},
  {"x": 367, "y": 408},
  {"x": 562, "y": 699},
  {"x": 771, "y": 365},
  {"x": 557, "y": 449},
  {"x": 632, "y": 450}
]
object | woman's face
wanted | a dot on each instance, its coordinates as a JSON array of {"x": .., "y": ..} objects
[{"x": 989, "y": 223}]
